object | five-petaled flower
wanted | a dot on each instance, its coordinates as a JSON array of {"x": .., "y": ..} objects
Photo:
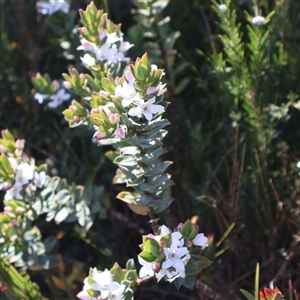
[{"x": 148, "y": 109}]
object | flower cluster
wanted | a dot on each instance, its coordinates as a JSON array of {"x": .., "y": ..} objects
[
  {"x": 52, "y": 6},
  {"x": 57, "y": 97},
  {"x": 111, "y": 49},
  {"x": 18, "y": 174},
  {"x": 130, "y": 97},
  {"x": 100, "y": 285},
  {"x": 170, "y": 254}
]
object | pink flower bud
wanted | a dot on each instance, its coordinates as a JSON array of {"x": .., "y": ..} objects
[
  {"x": 20, "y": 144},
  {"x": 2, "y": 149},
  {"x": 103, "y": 34},
  {"x": 82, "y": 76},
  {"x": 129, "y": 76},
  {"x": 100, "y": 134},
  {"x": 104, "y": 94},
  {"x": 20, "y": 210},
  {"x": 114, "y": 118},
  {"x": 67, "y": 85},
  {"x": 94, "y": 111},
  {"x": 180, "y": 225},
  {"x": 55, "y": 85},
  {"x": 151, "y": 90},
  {"x": 88, "y": 46},
  {"x": 72, "y": 108},
  {"x": 190, "y": 244},
  {"x": 7, "y": 209},
  {"x": 163, "y": 244},
  {"x": 117, "y": 80},
  {"x": 151, "y": 236},
  {"x": 76, "y": 118},
  {"x": 30, "y": 214},
  {"x": 156, "y": 266}
]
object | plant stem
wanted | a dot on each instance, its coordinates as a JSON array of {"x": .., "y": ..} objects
[
  {"x": 207, "y": 291},
  {"x": 153, "y": 224}
]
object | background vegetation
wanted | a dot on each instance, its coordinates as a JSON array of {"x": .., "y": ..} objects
[{"x": 234, "y": 136}]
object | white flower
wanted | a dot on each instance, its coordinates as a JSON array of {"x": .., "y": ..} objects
[
  {"x": 222, "y": 7},
  {"x": 173, "y": 257},
  {"x": 49, "y": 8},
  {"x": 24, "y": 174},
  {"x": 39, "y": 179},
  {"x": 40, "y": 97},
  {"x": 169, "y": 275},
  {"x": 88, "y": 60},
  {"x": 106, "y": 285},
  {"x": 128, "y": 93},
  {"x": 13, "y": 193},
  {"x": 200, "y": 240},
  {"x": 147, "y": 268},
  {"x": 145, "y": 108},
  {"x": 258, "y": 20},
  {"x": 58, "y": 98}
]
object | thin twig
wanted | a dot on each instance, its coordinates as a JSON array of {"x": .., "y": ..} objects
[
  {"x": 206, "y": 291},
  {"x": 126, "y": 221}
]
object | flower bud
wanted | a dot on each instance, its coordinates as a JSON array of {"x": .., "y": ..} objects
[
  {"x": 20, "y": 144},
  {"x": 156, "y": 266},
  {"x": 180, "y": 225},
  {"x": 163, "y": 244},
  {"x": 67, "y": 85},
  {"x": 151, "y": 90},
  {"x": 129, "y": 76},
  {"x": 73, "y": 108},
  {"x": 20, "y": 210},
  {"x": 94, "y": 111},
  {"x": 100, "y": 134},
  {"x": 151, "y": 236},
  {"x": 82, "y": 76},
  {"x": 76, "y": 118},
  {"x": 2, "y": 149},
  {"x": 114, "y": 118},
  {"x": 103, "y": 34},
  {"x": 7, "y": 209},
  {"x": 104, "y": 94}
]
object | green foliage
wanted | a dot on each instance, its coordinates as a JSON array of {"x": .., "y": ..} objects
[{"x": 234, "y": 140}]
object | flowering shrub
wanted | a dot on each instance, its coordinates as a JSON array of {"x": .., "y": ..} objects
[{"x": 233, "y": 114}]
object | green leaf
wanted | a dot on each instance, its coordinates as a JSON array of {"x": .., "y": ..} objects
[
  {"x": 125, "y": 160},
  {"x": 130, "y": 265},
  {"x": 116, "y": 271},
  {"x": 256, "y": 286},
  {"x": 191, "y": 268},
  {"x": 51, "y": 244},
  {"x": 61, "y": 215},
  {"x": 147, "y": 256},
  {"x": 4, "y": 164},
  {"x": 108, "y": 86},
  {"x": 189, "y": 281},
  {"x": 247, "y": 294},
  {"x": 6, "y": 135},
  {"x": 62, "y": 197},
  {"x": 204, "y": 262},
  {"x": 178, "y": 282},
  {"x": 187, "y": 228},
  {"x": 155, "y": 169}
]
